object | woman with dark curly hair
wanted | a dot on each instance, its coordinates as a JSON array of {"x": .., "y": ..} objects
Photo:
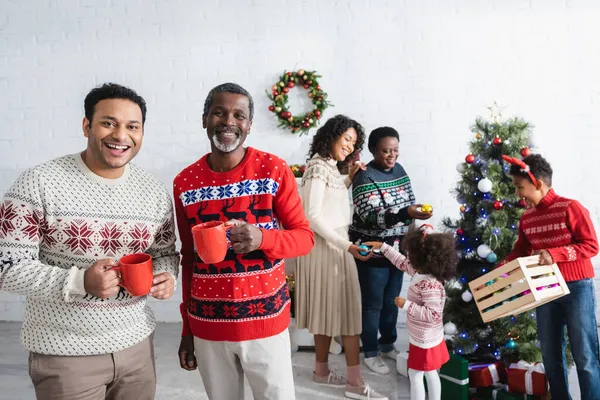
[
  {"x": 431, "y": 262},
  {"x": 384, "y": 207},
  {"x": 327, "y": 289}
]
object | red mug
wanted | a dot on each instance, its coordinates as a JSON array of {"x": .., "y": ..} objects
[
  {"x": 136, "y": 273},
  {"x": 210, "y": 239}
]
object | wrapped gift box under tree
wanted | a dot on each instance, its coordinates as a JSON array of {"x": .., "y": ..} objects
[
  {"x": 486, "y": 374},
  {"x": 527, "y": 378},
  {"x": 455, "y": 378},
  {"x": 516, "y": 287}
]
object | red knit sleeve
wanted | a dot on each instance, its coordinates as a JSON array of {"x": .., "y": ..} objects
[
  {"x": 585, "y": 242},
  {"x": 522, "y": 248},
  {"x": 295, "y": 239},
  {"x": 187, "y": 258}
]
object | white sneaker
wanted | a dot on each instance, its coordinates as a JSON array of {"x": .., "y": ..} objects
[
  {"x": 363, "y": 393},
  {"x": 392, "y": 355},
  {"x": 377, "y": 365}
]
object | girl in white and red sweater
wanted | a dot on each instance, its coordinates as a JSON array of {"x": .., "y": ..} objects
[{"x": 431, "y": 261}]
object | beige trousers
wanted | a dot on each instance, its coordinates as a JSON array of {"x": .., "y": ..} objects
[
  {"x": 129, "y": 374},
  {"x": 266, "y": 363}
]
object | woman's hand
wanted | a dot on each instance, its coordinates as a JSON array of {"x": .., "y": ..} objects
[
  {"x": 415, "y": 212},
  {"x": 355, "y": 251},
  {"x": 354, "y": 168},
  {"x": 374, "y": 245}
]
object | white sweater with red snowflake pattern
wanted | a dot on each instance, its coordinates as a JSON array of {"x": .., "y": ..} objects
[
  {"x": 57, "y": 220},
  {"x": 424, "y": 304}
]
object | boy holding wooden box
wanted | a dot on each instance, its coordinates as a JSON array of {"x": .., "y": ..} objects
[{"x": 561, "y": 232}]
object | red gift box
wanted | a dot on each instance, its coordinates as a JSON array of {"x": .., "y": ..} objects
[
  {"x": 485, "y": 374},
  {"x": 524, "y": 377}
]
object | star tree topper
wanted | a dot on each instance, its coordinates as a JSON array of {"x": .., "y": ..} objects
[{"x": 496, "y": 112}]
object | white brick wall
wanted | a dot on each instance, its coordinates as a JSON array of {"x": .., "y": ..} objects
[{"x": 427, "y": 68}]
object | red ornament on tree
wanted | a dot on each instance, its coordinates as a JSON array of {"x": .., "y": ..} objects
[
  {"x": 497, "y": 141},
  {"x": 470, "y": 159},
  {"x": 291, "y": 84},
  {"x": 285, "y": 90},
  {"x": 318, "y": 113},
  {"x": 498, "y": 205},
  {"x": 289, "y": 74},
  {"x": 271, "y": 108},
  {"x": 525, "y": 151},
  {"x": 275, "y": 93},
  {"x": 459, "y": 232},
  {"x": 306, "y": 86}
]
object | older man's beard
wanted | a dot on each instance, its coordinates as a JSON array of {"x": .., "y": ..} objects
[{"x": 224, "y": 147}]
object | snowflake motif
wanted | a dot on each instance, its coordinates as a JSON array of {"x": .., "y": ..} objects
[
  {"x": 208, "y": 310},
  {"x": 278, "y": 302},
  {"x": 205, "y": 193},
  {"x": 257, "y": 308},
  {"x": 192, "y": 307},
  {"x": 262, "y": 186},
  {"x": 79, "y": 237},
  {"x": 7, "y": 214},
  {"x": 190, "y": 197},
  {"x": 47, "y": 232},
  {"x": 245, "y": 187},
  {"x": 110, "y": 242},
  {"x": 32, "y": 227},
  {"x": 140, "y": 238},
  {"x": 274, "y": 187},
  {"x": 164, "y": 233},
  {"x": 225, "y": 192},
  {"x": 230, "y": 311}
]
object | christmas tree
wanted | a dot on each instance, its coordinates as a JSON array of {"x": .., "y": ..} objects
[{"x": 485, "y": 234}]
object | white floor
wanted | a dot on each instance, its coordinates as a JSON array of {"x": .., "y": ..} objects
[{"x": 175, "y": 383}]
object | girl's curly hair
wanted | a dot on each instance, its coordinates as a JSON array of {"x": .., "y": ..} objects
[
  {"x": 327, "y": 135},
  {"x": 432, "y": 253}
]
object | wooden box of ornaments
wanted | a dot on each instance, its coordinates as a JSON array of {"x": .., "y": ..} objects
[{"x": 516, "y": 287}]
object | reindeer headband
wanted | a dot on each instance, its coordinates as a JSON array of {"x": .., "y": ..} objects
[{"x": 520, "y": 163}]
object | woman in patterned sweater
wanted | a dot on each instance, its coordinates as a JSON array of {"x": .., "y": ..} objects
[
  {"x": 383, "y": 209},
  {"x": 327, "y": 289}
]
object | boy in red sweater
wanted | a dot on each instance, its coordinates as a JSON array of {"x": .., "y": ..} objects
[
  {"x": 236, "y": 312},
  {"x": 561, "y": 232}
]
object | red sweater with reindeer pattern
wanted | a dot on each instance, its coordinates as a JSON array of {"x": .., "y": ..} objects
[{"x": 244, "y": 297}]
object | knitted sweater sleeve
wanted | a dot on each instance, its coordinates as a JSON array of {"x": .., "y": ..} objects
[
  {"x": 187, "y": 260},
  {"x": 398, "y": 259},
  {"x": 296, "y": 238},
  {"x": 315, "y": 180},
  {"x": 23, "y": 229},
  {"x": 433, "y": 297},
  {"x": 165, "y": 257},
  {"x": 585, "y": 242}
]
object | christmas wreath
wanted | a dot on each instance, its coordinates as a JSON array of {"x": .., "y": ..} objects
[{"x": 279, "y": 99}]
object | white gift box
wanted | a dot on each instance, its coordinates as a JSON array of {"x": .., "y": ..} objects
[{"x": 402, "y": 363}]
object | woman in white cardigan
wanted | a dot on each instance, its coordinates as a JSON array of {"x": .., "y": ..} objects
[{"x": 327, "y": 290}]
